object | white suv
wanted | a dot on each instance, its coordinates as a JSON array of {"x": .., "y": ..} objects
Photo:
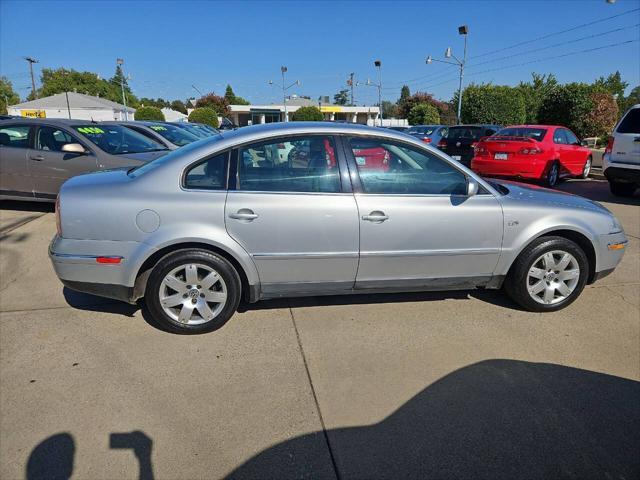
[{"x": 621, "y": 159}]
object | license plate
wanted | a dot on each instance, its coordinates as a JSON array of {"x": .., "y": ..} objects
[
  {"x": 501, "y": 156},
  {"x": 456, "y": 157}
]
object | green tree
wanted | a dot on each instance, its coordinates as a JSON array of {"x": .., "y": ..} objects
[
  {"x": 408, "y": 103},
  {"x": 8, "y": 96},
  {"x": 424, "y": 114},
  {"x": 602, "y": 116},
  {"x": 487, "y": 103},
  {"x": 149, "y": 113},
  {"x": 632, "y": 99},
  {"x": 390, "y": 109},
  {"x": 216, "y": 102},
  {"x": 179, "y": 106},
  {"x": 308, "y": 114},
  {"x": 232, "y": 99},
  {"x": 404, "y": 93},
  {"x": 205, "y": 115},
  {"x": 341, "y": 98},
  {"x": 615, "y": 86},
  {"x": 534, "y": 92}
]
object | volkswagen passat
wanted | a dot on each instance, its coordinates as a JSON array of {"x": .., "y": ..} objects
[{"x": 348, "y": 209}]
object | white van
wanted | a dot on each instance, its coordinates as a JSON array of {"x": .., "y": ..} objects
[{"x": 621, "y": 159}]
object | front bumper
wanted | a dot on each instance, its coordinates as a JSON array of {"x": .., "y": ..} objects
[{"x": 610, "y": 252}]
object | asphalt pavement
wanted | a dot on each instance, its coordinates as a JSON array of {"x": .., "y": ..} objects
[{"x": 426, "y": 385}]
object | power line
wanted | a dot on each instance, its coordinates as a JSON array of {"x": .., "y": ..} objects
[{"x": 543, "y": 37}]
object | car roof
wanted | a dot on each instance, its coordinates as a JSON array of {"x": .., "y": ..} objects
[
  {"x": 50, "y": 121},
  {"x": 535, "y": 126}
]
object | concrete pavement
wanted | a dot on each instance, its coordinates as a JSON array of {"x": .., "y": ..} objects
[{"x": 429, "y": 385}]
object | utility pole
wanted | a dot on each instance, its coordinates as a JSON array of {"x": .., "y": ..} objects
[
  {"x": 350, "y": 83},
  {"x": 378, "y": 64},
  {"x": 120, "y": 62},
  {"x": 31, "y": 61}
]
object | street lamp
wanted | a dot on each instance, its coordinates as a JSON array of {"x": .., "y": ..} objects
[
  {"x": 378, "y": 85},
  {"x": 120, "y": 62},
  {"x": 462, "y": 30},
  {"x": 284, "y": 70}
]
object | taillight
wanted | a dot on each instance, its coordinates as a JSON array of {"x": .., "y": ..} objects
[
  {"x": 442, "y": 143},
  {"x": 473, "y": 145},
  {"x": 109, "y": 260},
  {"x": 426, "y": 140},
  {"x": 531, "y": 151},
  {"x": 609, "y": 147},
  {"x": 479, "y": 150},
  {"x": 58, "y": 225}
]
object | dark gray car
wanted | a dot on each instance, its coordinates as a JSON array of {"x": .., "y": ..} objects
[
  {"x": 38, "y": 155},
  {"x": 169, "y": 135}
]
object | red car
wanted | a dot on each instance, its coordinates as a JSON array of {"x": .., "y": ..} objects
[{"x": 540, "y": 152}]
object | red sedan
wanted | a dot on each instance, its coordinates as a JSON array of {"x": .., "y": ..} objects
[{"x": 541, "y": 152}]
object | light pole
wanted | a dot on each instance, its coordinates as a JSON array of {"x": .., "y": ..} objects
[
  {"x": 120, "y": 62},
  {"x": 31, "y": 61},
  {"x": 462, "y": 30},
  {"x": 378, "y": 65},
  {"x": 283, "y": 70}
]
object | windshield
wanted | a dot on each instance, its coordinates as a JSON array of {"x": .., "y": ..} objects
[
  {"x": 176, "y": 135},
  {"x": 118, "y": 140},
  {"x": 422, "y": 130},
  {"x": 535, "y": 133},
  {"x": 458, "y": 133},
  {"x": 152, "y": 165},
  {"x": 196, "y": 130}
]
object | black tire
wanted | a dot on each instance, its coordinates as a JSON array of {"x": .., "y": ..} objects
[
  {"x": 550, "y": 179},
  {"x": 192, "y": 256},
  {"x": 516, "y": 283},
  {"x": 587, "y": 170},
  {"x": 622, "y": 189}
]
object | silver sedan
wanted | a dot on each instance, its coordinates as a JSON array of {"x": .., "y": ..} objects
[{"x": 297, "y": 209}]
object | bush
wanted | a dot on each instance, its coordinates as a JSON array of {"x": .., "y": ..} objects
[
  {"x": 149, "y": 113},
  {"x": 307, "y": 114},
  {"x": 405, "y": 105},
  {"x": 204, "y": 115},
  {"x": 588, "y": 110},
  {"x": 218, "y": 103},
  {"x": 424, "y": 114},
  {"x": 499, "y": 105}
]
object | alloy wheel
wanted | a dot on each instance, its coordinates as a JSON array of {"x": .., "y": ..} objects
[
  {"x": 193, "y": 294},
  {"x": 553, "y": 277},
  {"x": 587, "y": 168},
  {"x": 553, "y": 175}
]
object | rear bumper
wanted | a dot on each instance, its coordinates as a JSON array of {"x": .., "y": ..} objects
[
  {"x": 623, "y": 174},
  {"x": 116, "y": 292},
  {"x": 509, "y": 168}
]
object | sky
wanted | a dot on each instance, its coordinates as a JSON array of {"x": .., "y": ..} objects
[{"x": 170, "y": 46}]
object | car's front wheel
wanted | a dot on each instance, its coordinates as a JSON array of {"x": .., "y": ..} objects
[
  {"x": 548, "y": 275},
  {"x": 193, "y": 291},
  {"x": 622, "y": 189}
]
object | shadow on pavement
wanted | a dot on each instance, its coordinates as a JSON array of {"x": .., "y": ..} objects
[
  {"x": 597, "y": 190},
  {"x": 93, "y": 303},
  {"x": 44, "y": 207},
  {"x": 53, "y": 458},
  {"x": 497, "y": 419}
]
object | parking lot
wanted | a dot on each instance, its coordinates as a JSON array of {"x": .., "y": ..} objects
[{"x": 426, "y": 385}]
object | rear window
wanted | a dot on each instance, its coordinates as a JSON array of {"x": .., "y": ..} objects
[
  {"x": 16, "y": 136},
  {"x": 535, "y": 133},
  {"x": 176, "y": 135},
  {"x": 457, "y": 133},
  {"x": 631, "y": 122},
  {"x": 118, "y": 140}
]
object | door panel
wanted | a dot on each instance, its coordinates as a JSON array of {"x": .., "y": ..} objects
[
  {"x": 14, "y": 176},
  {"x": 428, "y": 237},
  {"x": 49, "y": 166}
]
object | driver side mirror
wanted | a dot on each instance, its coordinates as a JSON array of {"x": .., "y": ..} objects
[
  {"x": 74, "y": 148},
  {"x": 472, "y": 187}
]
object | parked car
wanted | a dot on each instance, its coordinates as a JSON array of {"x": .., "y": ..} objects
[
  {"x": 461, "y": 140},
  {"x": 198, "y": 229},
  {"x": 399, "y": 129},
  {"x": 168, "y": 135},
  {"x": 429, "y": 133},
  {"x": 200, "y": 130},
  {"x": 545, "y": 153},
  {"x": 227, "y": 124},
  {"x": 38, "y": 155},
  {"x": 621, "y": 159}
]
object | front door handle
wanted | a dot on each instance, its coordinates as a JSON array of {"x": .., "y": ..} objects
[
  {"x": 244, "y": 214},
  {"x": 37, "y": 158},
  {"x": 376, "y": 216}
]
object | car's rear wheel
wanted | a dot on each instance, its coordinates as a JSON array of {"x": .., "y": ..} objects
[
  {"x": 553, "y": 175},
  {"x": 548, "y": 275},
  {"x": 193, "y": 291},
  {"x": 622, "y": 189},
  {"x": 587, "y": 168}
]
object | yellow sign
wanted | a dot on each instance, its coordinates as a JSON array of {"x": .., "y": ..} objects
[
  {"x": 330, "y": 109},
  {"x": 33, "y": 113}
]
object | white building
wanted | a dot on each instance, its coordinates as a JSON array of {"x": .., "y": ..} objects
[
  {"x": 72, "y": 105},
  {"x": 253, "y": 114},
  {"x": 171, "y": 115}
]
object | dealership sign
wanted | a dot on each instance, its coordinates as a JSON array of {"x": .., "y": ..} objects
[{"x": 33, "y": 113}]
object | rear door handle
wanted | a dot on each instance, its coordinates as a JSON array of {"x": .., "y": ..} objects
[
  {"x": 244, "y": 214},
  {"x": 376, "y": 217},
  {"x": 37, "y": 158}
]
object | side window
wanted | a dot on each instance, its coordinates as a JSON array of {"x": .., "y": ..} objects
[
  {"x": 296, "y": 164},
  {"x": 559, "y": 137},
  {"x": 395, "y": 168},
  {"x": 571, "y": 138},
  {"x": 52, "y": 139},
  {"x": 16, "y": 136},
  {"x": 210, "y": 174}
]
